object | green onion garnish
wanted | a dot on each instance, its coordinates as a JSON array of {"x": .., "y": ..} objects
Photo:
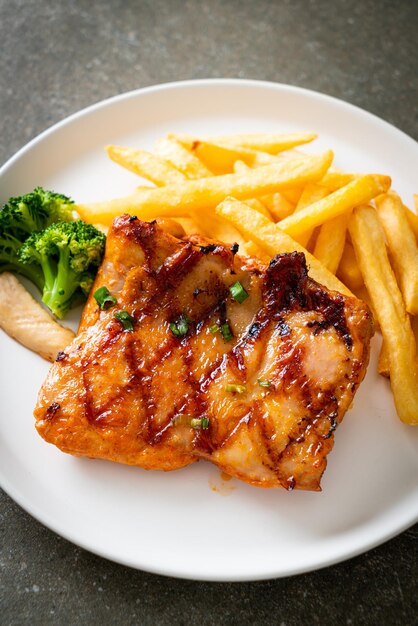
[
  {"x": 180, "y": 328},
  {"x": 263, "y": 383},
  {"x": 214, "y": 328},
  {"x": 125, "y": 319},
  {"x": 226, "y": 332},
  {"x": 104, "y": 298},
  {"x": 200, "y": 423},
  {"x": 236, "y": 388},
  {"x": 238, "y": 292}
]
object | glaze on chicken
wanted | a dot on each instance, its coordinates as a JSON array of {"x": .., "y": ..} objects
[{"x": 257, "y": 387}]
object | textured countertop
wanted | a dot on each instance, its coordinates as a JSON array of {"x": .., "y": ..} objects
[{"x": 58, "y": 57}]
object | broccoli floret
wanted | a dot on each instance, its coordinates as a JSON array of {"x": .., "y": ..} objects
[
  {"x": 68, "y": 254},
  {"x": 10, "y": 261},
  {"x": 22, "y": 215}
]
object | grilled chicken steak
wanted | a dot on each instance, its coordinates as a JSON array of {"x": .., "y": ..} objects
[{"x": 255, "y": 384}]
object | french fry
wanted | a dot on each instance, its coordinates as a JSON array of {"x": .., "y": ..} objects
[
  {"x": 277, "y": 205},
  {"x": 416, "y": 201},
  {"x": 311, "y": 194},
  {"x": 257, "y": 205},
  {"x": 240, "y": 168},
  {"x": 188, "y": 164},
  {"x": 188, "y": 224},
  {"x": 330, "y": 243},
  {"x": 334, "y": 180},
  {"x": 266, "y": 142},
  {"x": 264, "y": 158},
  {"x": 402, "y": 246},
  {"x": 253, "y": 250},
  {"x": 218, "y": 158},
  {"x": 413, "y": 220},
  {"x": 348, "y": 269},
  {"x": 383, "y": 363},
  {"x": 355, "y": 193},
  {"x": 367, "y": 237},
  {"x": 270, "y": 238},
  {"x": 145, "y": 164},
  {"x": 293, "y": 195},
  {"x": 220, "y": 230},
  {"x": 195, "y": 195}
]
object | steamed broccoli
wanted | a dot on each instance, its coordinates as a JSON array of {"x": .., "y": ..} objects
[
  {"x": 10, "y": 261},
  {"x": 67, "y": 254},
  {"x": 23, "y": 215}
]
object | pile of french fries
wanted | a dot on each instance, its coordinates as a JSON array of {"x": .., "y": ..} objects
[{"x": 263, "y": 192}]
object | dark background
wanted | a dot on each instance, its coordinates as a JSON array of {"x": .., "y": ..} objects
[{"x": 58, "y": 57}]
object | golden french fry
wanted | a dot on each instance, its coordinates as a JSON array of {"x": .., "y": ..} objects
[
  {"x": 348, "y": 269},
  {"x": 218, "y": 158},
  {"x": 416, "y": 201},
  {"x": 277, "y": 205},
  {"x": 368, "y": 241},
  {"x": 145, "y": 164},
  {"x": 195, "y": 195},
  {"x": 188, "y": 224},
  {"x": 209, "y": 225},
  {"x": 182, "y": 159},
  {"x": 270, "y": 238},
  {"x": 264, "y": 158},
  {"x": 383, "y": 363},
  {"x": 253, "y": 250},
  {"x": 334, "y": 180},
  {"x": 402, "y": 246},
  {"x": 293, "y": 195},
  {"x": 257, "y": 205},
  {"x": 412, "y": 219},
  {"x": 239, "y": 168},
  {"x": 266, "y": 142},
  {"x": 362, "y": 190},
  {"x": 311, "y": 194},
  {"x": 330, "y": 242},
  {"x": 220, "y": 230}
]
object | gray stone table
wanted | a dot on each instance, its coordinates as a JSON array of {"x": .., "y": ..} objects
[{"x": 59, "y": 56}]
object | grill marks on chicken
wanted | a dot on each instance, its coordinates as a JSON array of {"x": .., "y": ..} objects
[{"x": 297, "y": 355}]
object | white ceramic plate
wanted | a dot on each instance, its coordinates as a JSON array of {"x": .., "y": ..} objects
[{"x": 190, "y": 523}]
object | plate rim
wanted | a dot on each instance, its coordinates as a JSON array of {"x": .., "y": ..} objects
[
  {"x": 34, "y": 510},
  {"x": 189, "y": 83}
]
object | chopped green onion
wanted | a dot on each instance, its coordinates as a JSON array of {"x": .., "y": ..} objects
[
  {"x": 125, "y": 319},
  {"x": 180, "y": 328},
  {"x": 226, "y": 332},
  {"x": 263, "y": 383},
  {"x": 214, "y": 328},
  {"x": 200, "y": 423},
  {"x": 236, "y": 388},
  {"x": 104, "y": 298},
  {"x": 238, "y": 292}
]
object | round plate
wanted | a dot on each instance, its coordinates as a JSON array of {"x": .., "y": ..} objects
[{"x": 192, "y": 523}]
